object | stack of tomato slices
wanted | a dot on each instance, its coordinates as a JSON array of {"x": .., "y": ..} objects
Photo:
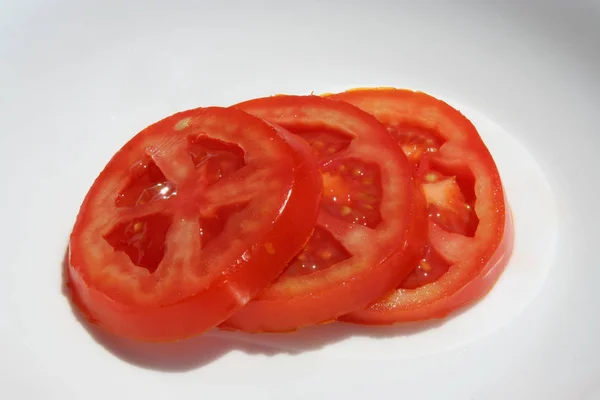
[{"x": 371, "y": 206}]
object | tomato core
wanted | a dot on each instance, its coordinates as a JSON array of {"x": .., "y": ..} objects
[{"x": 143, "y": 239}]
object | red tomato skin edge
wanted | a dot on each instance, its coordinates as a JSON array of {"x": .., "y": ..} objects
[
  {"x": 278, "y": 315},
  {"x": 210, "y": 307},
  {"x": 470, "y": 293}
]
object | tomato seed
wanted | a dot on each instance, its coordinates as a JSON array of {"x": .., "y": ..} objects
[
  {"x": 431, "y": 177},
  {"x": 425, "y": 266},
  {"x": 321, "y": 252},
  {"x": 269, "y": 247},
  {"x": 182, "y": 124}
]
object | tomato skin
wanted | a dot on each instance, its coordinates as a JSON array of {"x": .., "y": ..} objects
[
  {"x": 292, "y": 302},
  {"x": 238, "y": 282},
  {"x": 477, "y": 262},
  {"x": 391, "y": 309}
]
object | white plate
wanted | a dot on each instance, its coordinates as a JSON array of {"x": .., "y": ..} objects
[{"x": 78, "y": 80}]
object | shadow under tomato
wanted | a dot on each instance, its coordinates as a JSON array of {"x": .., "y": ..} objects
[
  {"x": 204, "y": 349},
  {"x": 320, "y": 336},
  {"x": 170, "y": 357}
]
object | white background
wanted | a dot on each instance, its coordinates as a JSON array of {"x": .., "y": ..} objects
[{"x": 78, "y": 79}]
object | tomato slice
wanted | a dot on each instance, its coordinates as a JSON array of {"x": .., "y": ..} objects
[
  {"x": 469, "y": 232},
  {"x": 189, "y": 221},
  {"x": 363, "y": 245}
]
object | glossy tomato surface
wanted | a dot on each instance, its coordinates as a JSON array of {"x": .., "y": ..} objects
[
  {"x": 469, "y": 229},
  {"x": 368, "y": 232},
  {"x": 188, "y": 221}
]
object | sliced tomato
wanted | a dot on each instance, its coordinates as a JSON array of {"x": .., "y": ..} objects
[
  {"x": 190, "y": 220},
  {"x": 363, "y": 244},
  {"x": 469, "y": 232}
]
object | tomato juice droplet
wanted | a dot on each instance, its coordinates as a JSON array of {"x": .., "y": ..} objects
[{"x": 146, "y": 185}]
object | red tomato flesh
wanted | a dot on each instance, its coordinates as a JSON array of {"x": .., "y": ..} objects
[
  {"x": 367, "y": 234},
  {"x": 189, "y": 221},
  {"x": 469, "y": 235}
]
